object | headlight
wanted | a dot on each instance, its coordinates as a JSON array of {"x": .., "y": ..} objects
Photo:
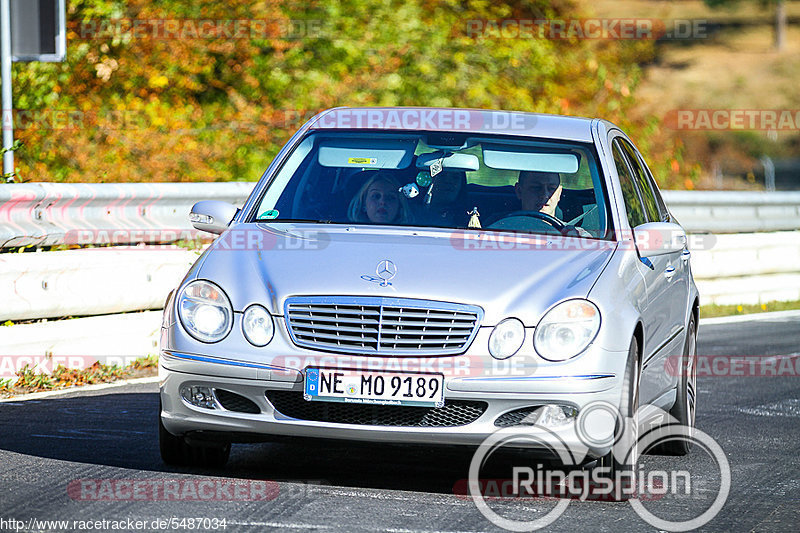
[
  {"x": 205, "y": 311},
  {"x": 566, "y": 330},
  {"x": 506, "y": 338},
  {"x": 257, "y": 325}
]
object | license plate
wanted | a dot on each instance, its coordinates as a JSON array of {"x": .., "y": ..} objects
[{"x": 383, "y": 388}]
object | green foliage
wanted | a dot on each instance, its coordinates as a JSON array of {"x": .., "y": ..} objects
[
  {"x": 714, "y": 310},
  {"x": 30, "y": 381},
  {"x": 148, "y": 361},
  {"x": 212, "y": 109}
]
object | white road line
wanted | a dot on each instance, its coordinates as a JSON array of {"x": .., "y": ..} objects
[
  {"x": 775, "y": 315},
  {"x": 296, "y": 525},
  {"x": 398, "y": 530},
  {"x": 61, "y": 437},
  {"x": 292, "y": 525},
  {"x": 777, "y": 358}
]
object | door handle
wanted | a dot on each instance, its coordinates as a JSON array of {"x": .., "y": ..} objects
[
  {"x": 669, "y": 272},
  {"x": 686, "y": 255}
]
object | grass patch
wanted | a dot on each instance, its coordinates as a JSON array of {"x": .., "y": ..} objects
[
  {"x": 713, "y": 310},
  {"x": 29, "y": 381}
]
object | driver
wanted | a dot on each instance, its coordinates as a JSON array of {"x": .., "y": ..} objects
[{"x": 539, "y": 191}]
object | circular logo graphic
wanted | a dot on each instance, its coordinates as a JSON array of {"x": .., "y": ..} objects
[{"x": 386, "y": 271}]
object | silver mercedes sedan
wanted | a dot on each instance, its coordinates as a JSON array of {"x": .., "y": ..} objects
[{"x": 432, "y": 276}]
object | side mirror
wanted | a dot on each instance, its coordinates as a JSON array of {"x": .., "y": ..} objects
[
  {"x": 213, "y": 216},
  {"x": 659, "y": 238}
]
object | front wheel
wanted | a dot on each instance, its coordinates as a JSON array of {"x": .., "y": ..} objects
[
  {"x": 619, "y": 465},
  {"x": 684, "y": 409}
]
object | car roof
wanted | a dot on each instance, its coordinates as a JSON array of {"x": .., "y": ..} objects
[{"x": 442, "y": 119}]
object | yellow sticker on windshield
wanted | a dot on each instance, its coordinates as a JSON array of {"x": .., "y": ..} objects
[{"x": 362, "y": 161}]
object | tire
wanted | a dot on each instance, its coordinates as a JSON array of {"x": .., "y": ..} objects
[
  {"x": 685, "y": 407},
  {"x": 172, "y": 448},
  {"x": 175, "y": 451},
  {"x": 620, "y": 463}
]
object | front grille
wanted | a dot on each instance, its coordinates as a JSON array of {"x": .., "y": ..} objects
[
  {"x": 381, "y": 326},
  {"x": 235, "y": 402},
  {"x": 518, "y": 417},
  {"x": 454, "y": 412}
]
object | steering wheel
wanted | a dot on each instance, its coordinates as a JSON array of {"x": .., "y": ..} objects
[{"x": 553, "y": 221}]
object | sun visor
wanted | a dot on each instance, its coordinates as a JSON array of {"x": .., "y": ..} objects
[
  {"x": 367, "y": 153},
  {"x": 563, "y": 163}
]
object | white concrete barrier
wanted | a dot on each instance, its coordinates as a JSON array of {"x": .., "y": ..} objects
[
  {"x": 735, "y": 211},
  {"x": 78, "y": 343},
  {"x": 748, "y": 268},
  {"x": 91, "y": 281}
]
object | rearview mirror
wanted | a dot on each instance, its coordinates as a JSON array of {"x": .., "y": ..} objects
[
  {"x": 464, "y": 162},
  {"x": 213, "y": 216},
  {"x": 659, "y": 238}
]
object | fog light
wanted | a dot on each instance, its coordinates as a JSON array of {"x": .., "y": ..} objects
[
  {"x": 199, "y": 396},
  {"x": 552, "y": 415}
]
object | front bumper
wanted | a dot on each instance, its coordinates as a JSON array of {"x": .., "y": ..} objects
[{"x": 595, "y": 376}]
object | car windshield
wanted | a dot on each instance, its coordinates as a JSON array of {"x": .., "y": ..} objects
[{"x": 440, "y": 180}]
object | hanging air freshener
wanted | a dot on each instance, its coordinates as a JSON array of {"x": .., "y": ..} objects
[
  {"x": 424, "y": 179},
  {"x": 410, "y": 190},
  {"x": 474, "y": 218}
]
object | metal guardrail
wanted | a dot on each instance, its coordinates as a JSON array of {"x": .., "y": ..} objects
[
  {"x": 735, "y": 211},
  {"x": 47, "y": 214}
]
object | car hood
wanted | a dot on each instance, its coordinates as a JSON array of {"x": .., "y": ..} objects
[{"x": 505, "y": 274}]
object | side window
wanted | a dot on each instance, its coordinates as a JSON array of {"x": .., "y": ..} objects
[
  {"x": 648, "y": 196},
  {"x": 633, "y": 205},
  {"x": 662, "y": 207}
]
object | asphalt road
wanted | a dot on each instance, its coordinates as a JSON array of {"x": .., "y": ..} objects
[{"x": 59, "y": 455}]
